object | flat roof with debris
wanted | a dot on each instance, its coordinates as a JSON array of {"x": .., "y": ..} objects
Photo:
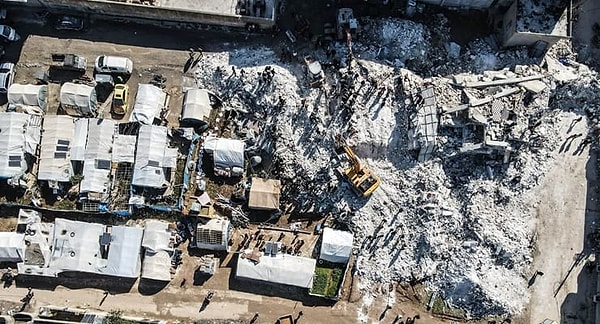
[
  {"x": 223, "y": 7},
  {"x": 544, "y": 17}
]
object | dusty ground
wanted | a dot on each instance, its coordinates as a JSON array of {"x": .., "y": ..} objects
[{"x": 564, "y": 209}]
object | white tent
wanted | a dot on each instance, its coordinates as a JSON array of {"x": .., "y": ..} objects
[
  {"x": 55, "y": 155},
  {"x": 214, "y": 235},
  {"x": 79, "y": 139},
  {"x": 228, "y": 155},
  {"x": 124, "y": 148},
  {"x": 282, "y": 269},
  {"x": 336, "y": 246},
  {"x": 78, "y": 99},
  {"x": 98, "y": 155},
  {"x": 149, "y": 158},
  {"x": 157, "y": 257},
  {"x": 19, "y": 134},
  {"x": 149, "y": 101},
  {"x": 157, "y": 236},
  {"x": 12, "y": 247},
  {"x": 196, "y": 106},
  {"x": 157, "y": 265},
  {"x": 77, "y": 247},
  {"x": 27, "y": 95}
]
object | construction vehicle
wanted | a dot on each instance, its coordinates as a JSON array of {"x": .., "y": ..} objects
[
  {"x": 347, "y": 26},
  {"x": 358, "y": 174}
]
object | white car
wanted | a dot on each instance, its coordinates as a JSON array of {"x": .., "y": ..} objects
[
  {"x": 9, "y": 34},
  {"x": 7, "y": 74},
  {"x": 113, "y": 64}
]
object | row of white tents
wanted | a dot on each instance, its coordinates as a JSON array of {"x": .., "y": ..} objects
[{"x": 80, "y": 100}]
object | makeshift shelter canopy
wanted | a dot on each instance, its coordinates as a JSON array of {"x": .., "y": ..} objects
[
  {"x": 264, "y": 194},
  {"x": 87, "y": 247},
  {"x": 19, "y": 134},
  {"x": 124, "y": 148},
  {"x": 97, "y": 164},
  {"x": 12, "y": 247},
  {"x": 149, "y": 158},
  {"x": 149, "y": 101},
  {"x": 157, "y": 236},
  {"x": 28, "y": 95},
  {"x": 55, "y": 155},
  {"x": 336, "y": 246},
  {"x": 196, "y": 106},
  {"x": 157, "y": 265},
  {"x": 78, "y": 99},
  {"x": 228, "y": 155},
  {"x": 282, "y": 269}
]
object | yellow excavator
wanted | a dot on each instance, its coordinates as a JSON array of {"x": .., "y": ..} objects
[{"x": 362, "y": 179}]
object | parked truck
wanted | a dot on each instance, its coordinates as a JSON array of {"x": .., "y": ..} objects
[{"x": 69, "y": 62}]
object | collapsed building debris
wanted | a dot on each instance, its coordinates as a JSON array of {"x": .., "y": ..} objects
[{"x": 457, "y": 221}]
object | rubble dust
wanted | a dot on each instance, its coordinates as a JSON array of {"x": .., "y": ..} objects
[{"x": 458, "y": 222}]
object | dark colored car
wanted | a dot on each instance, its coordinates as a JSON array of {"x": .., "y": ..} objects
[{"x": 69, "y": 23}]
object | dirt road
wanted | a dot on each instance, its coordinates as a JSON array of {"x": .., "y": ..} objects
[{"x": 564, "y": 208}]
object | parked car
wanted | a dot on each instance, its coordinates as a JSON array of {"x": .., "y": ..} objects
[
  {"x": 9, "y": 34},
  {"x": 7, "y": 74},
  {"x": 69, "y": 23},
  {"x": 120, "y": 98},
  {"x": 113, "y": 64}
]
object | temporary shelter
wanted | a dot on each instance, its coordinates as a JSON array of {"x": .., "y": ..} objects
[
  {"x": 214, "y": 235},
  {"x": 158, "y": 251},
  {"x": 89, "y": 247},
  {"x": 98, "y": 154},
  {"x": 55, "y": 155},
  {"x": 282, "y": 269},
  {"x": 12, "y": 247},
  {"x": 19, "y": 134},
  {"x": 197, "y": 106},
  {"x": 78, "y": 99},
  {"x": 27, "y": 95},
  {"x": 152, "y": 157},
  {"x": 336, "y": 245},
  {"x": 264, "y": 194},
  {"x": 149, "y": 101},
  {"x": 228, "y": 155}
]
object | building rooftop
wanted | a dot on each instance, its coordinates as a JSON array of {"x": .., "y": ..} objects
[{"x": 221, "y": 7}]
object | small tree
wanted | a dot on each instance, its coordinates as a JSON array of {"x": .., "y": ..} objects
[{"x": 116, "y": 317}]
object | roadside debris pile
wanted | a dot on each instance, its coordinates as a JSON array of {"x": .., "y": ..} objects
[{"x": 457, "y": 157}]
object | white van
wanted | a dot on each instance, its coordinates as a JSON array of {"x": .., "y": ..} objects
[{"x": 113, "y": 64}]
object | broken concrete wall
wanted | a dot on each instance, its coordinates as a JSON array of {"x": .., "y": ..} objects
[
  {"x": 510, "y": 36},
  {"x": 158, "y": 15}
]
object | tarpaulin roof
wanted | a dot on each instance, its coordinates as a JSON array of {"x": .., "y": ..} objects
[
  {"x": 79, "y": 140},
  {"x": 264, "y": 194},
  {"x": 227, "y": 153},
  {"x": 78, "y": 99},
  {"x": 157, "y": 265},
  {"x": 196, "y": 106},
  {"x": 77, "y": 248},
  {"x": 336, "y": 246},
  {"x": 11, "y": 247},
  {"x": 283, "y": 269},
  {"x": 149, "y": 101},
  {"x": 19, "y": 134},
  {"x": 149, "y": 157},
  {"x": 157, "y": 236},
  {"x": 97, "y": 164},
  {"x": 55, "y": 155},
  {"x": 27, "y": 95},
  {"x": 124, "y": 148}
]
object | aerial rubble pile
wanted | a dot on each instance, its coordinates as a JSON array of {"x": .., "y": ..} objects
[{"x": 457, "y": 157}]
